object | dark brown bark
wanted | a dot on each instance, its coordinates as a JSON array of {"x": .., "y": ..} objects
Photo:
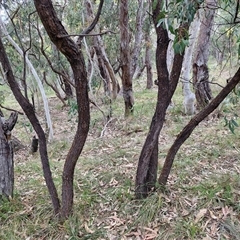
[
  {"x": 148, "y": 160},
  {"x": 34, "y": 144},
  {"x": 188, "y": 129},
  {"x": 74, "y": 55},
  {"x": 6, "y": 156},
  {"x": 67, "y": 87},
  {"x": 29, "y": 111},
  {"x": 125, "y": 59}
]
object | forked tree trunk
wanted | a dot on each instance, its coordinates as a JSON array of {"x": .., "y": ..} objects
[
  {"x": 200, "y": 69},
  {"x": 74, "y": 55},
  {"x": 125, "y": 58},
  {"x": 148, "y": 160},
  {"x": 6, "y": 156}
]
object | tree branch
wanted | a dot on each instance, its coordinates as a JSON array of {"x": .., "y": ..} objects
[
  {"x": 91, "y": 27},
  {"x": 85, "y": 35},
  {"x": 10, "y": 109},
  {"x": 236, "y": 12}
]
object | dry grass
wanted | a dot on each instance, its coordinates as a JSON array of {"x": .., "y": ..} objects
[{"x": 202, "y": 199}]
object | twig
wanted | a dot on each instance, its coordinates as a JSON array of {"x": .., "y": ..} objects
[
  {"x": 85, "y": 35},
  {"x": 95, "y": 104},
  {"x": 105, "y": 126},
  {"x": 10, "y": 109}
]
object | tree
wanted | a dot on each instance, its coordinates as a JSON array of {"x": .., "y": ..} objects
[
  {"x": 74, "y": 55},
  {"x": 200, "y": 69},
  {"x": 148, "y": 161},
  {"x": 147, "y": 166},
  {"x": 125, "y": 58},
  {"x": 6, "y": 155},
  {"x": 140, "y": 17},
  {"x": 148, "y": 55},
  {"x": 189, "y": 96},
  {"x": 30, "y": 113}
]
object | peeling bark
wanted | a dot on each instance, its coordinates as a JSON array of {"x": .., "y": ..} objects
[
  {"x": 6, "y": 156},
  {"x": 200, "y": 69},
  {"x": 125, "y": 59}
]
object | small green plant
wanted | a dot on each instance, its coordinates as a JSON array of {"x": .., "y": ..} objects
[
  {"x": 189, "y": 229},
  {"x": 231, "y": 123}
]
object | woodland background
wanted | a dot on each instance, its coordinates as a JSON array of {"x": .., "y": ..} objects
[{"x": 92, "y": 81}]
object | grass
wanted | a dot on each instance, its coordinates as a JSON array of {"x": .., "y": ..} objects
[{"x": 201, "y": 200}]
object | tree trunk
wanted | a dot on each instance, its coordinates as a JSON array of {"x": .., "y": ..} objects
[
  {"x": 74, "y": 55},
  {"x": 189, "y": 96},
  {"x": 67, "y": 87},
  {"x": 200, "y": 69},
  {"x": 138, "y": 37},
  {"x": 125, "y": 59},
  {"x": 188, "y": 129},
  {"x": 148, "y": 62},
  {"x": 148, "y": 160},
  {"x": 6, "y": 156}
]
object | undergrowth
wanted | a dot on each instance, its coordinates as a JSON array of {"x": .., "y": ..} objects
[{"x": 201, "y": 200}]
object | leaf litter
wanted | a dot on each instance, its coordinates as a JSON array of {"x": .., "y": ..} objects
[{"x": 202, "y": 199}]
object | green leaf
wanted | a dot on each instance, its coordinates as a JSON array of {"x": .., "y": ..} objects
[
  {"x": 171, "y": 29},
  {"x": 160, "y": 22},
  {"x": 226, "y": 121},
  {"x": 231, "y": 127},
  {"x": 234, "y": 123},
  {"x": 176, "y": 47}
]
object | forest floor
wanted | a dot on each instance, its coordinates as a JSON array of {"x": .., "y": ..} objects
[{"x": 201, "y": 201}]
